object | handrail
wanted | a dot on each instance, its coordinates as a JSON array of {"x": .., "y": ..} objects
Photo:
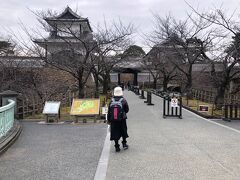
[{"x": 6, "y": 117}]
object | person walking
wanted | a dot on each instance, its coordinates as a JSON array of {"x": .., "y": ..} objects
[
  {"x": 117, "y": 115},
  {"x": 128, "y": 85}
]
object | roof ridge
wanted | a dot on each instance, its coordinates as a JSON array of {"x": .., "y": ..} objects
[{"x": 68, "y": 9}]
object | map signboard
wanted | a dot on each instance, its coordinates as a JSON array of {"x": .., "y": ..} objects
[
  {"x": 51, "y": 107},
  {"x": 83, "y": 107}
]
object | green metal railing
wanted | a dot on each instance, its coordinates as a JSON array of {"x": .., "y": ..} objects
[{"x": 6, "y": 117}]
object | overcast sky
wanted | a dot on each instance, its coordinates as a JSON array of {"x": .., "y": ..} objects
[{"x": 138, "y": 12}]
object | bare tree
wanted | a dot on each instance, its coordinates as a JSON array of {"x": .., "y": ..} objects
[
  {"x": 42, "y": 83},
  {"x": 227, "y": 55},
  {"x": 186, "y": 40},
  {"x": 157, "y": 62},
  {"x": 111, "y": 41},
  {"x": 79, "y": 49},
  {"x": 8, "y": 68}
]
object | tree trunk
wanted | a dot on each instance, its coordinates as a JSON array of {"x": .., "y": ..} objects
[
  {"x": 154, "y": 83},
  {"x": 165, "y": 83},
  {"x": 188, "y": 87},
  {"x": 105, "y": 86},
  {"x": 96, "y": 85},
  {"x": 106, "y": 83},
  {"x": 219, "y": 99},
  {"x": 80, "y": 88}
]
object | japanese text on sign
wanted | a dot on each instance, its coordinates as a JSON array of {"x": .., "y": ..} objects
[{"x": 85, "y": 107}]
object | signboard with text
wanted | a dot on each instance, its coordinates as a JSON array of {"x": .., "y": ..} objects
[
  {"x": 104, "y": 110},
  {"x": 51, "y": 107},
  {"x": 203, "y": 108},
  {"x": 83, "y": 107},
  {"x": 174, "y": 102}
]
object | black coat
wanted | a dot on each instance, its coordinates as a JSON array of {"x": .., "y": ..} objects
[{"x": 119, "y": 129}]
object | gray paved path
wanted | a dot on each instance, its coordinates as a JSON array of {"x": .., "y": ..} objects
[
  {"x": 54, "y": 152},
  {"x": 188, "y": 148}
]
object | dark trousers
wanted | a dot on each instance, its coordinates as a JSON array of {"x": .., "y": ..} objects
[{"x": 123, "y": 142}]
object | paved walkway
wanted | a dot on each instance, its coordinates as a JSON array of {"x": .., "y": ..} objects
[
  {"x": 54, "y": 152},
  {"x": 188, "y": 148}
]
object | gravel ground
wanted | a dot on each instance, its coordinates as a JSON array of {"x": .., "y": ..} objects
[{"x": 49, "y": 152}]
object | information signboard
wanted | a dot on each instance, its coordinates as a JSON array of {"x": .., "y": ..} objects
[
  {"x": 51, "y": 107},
  {"x": 104, "y": 110},
  {"x": 174, "y": 102},
  {"x": 83, "y": 107},
  {"x": 203, "y": 108}
]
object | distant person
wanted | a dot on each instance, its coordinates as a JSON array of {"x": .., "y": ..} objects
[
  {"x": 128, "y": 85},
  {"x": 122, "y": 86},
  {"x": 117, "y": 115}
]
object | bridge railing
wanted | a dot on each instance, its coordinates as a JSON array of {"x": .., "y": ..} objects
[{"x": 6, "y": 117}]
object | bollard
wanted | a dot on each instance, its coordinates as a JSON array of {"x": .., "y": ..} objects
[
  {"x": 231, "y": 111},
  {"x": 236, "y": 111},
  {"x": 137, "y": 91},
  {"x": 226, "y": 111},
  {"x": 147, "y": 99},
  {"x": 131, "y": 88},
  {"x": 149, "y": 95},
  {"x": 134, "y": 89},
  {"x": 142, "y": 95}
]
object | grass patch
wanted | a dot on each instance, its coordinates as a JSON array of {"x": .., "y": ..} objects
[
  {"x": 194, "y": 104},
  {"x": 65, "y": 112}
]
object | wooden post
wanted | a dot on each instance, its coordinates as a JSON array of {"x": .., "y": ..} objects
[
  {"x": 27, "y": 104},
  {"x": 59, "y": 114},
  {"x": 236, "y": 111},
  {"x": 180, "y": 109},
  {"x": 164, "y": 107},
  {"x": 226, "y": 111},
  {"x": 76, "y": 119},
  {"x": 231, "y": 111},
  {"x": 23, "y": 109},
  {"x": 168, "y": 105}
]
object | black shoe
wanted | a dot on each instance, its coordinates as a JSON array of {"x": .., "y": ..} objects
[
  {"x": 125, "y": 146},
  {"x": 117, "y": 149}
]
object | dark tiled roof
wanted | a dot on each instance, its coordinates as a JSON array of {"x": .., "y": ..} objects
[
  {"x": 21, "y": 61},
  {"x": 68, "y": 15}
]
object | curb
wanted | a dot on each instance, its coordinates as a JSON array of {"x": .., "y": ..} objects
[
  {"x": 101, "y": 172},
  {"x": 200, "y": 114},
  {"x": 11, "y": 137}
]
